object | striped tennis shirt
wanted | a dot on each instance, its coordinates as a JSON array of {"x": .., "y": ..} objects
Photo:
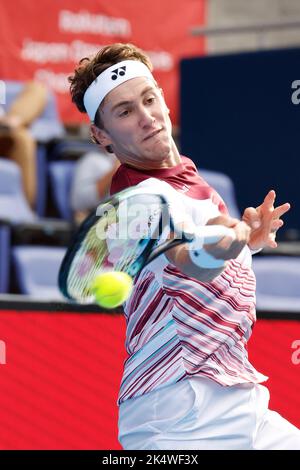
[{"x": 176, "y": 326}]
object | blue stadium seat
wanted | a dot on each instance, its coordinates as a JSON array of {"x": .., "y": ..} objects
[
  {"x": 37, "y": 270},
  {"x": 277, "y": 283},
  {"x": 45, "y": 128},
  {"x": 61, "y": 174},
  {"x": 13, "y": 204},
  {"x": 4, "y": 257},
  {"x": 224, "y": 186},
  {"x": 19, "y": 224}
]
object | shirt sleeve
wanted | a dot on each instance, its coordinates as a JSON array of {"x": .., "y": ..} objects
[{"x": 182, "y": 207}]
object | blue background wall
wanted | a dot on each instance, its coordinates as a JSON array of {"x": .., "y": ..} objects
[{"x": 237, "y": 116}]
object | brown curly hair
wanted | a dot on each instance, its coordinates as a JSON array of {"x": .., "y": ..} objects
[{"x": 90, "y": 68}]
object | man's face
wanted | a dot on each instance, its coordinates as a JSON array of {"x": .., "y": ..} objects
[{"x": 136, "y": 124}]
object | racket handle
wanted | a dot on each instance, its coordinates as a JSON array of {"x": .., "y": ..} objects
[
  {"x": 207, "y": 235},
  {"x": 211, "y": 234}
]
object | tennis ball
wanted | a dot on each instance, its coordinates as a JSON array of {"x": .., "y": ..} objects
[{"x": 111, "y": 289}]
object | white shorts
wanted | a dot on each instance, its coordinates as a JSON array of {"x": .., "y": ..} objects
[{"x": 198, "y": 413}]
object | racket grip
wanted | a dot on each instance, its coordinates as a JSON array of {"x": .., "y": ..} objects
[{"x": 207, "y": 235}]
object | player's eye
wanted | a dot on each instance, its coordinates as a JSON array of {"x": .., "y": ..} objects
[
  {"x": 124, "y": 113},
  {"x": 150, "y": 100}
]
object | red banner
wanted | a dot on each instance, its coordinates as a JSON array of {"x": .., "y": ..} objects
[
  {"x": 59, "y": 380},
  {"x": 60, "y": 374},
  {"x": 44, "y": 40}
]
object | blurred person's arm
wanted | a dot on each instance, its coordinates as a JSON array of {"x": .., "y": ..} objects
[{"x": 27, "y": 106}]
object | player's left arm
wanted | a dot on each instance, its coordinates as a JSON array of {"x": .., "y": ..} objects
[{"x": 264, "y": 221}]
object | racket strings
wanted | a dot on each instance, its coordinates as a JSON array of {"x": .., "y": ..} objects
[
  {"x": 142, "y": 236},
  {"x": 95, "y": 256},
  {"x": 88, "y": 262},
  {"x": 103, "y": 249},
  {"x": 154, "y": 224},
  {"x": 130, "y": 257},
  {"x": 154, "y": 221}
]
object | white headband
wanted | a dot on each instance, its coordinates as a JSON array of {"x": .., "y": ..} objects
[{"x": 110, "y": 79}]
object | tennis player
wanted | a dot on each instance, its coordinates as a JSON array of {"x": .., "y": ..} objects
[{"x": 187, "y": 382}]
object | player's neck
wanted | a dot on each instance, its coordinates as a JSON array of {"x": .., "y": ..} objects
[{"x": 172, "y": 160}]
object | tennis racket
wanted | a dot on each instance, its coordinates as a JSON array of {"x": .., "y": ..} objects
[{"x": 126, "y": 232}]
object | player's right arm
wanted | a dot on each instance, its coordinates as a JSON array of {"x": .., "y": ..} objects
[{"x": 225, "y": 249}]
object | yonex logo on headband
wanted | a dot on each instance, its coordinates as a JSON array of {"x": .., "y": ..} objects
[
  {"x": 111, "y": 78},
  {"x": 120, "y": 71}
]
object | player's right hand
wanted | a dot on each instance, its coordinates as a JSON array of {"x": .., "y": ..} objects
[{"x": 227, "y": 248}]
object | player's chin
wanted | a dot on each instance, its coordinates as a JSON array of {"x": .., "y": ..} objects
[{"x": 160, "y": 150}]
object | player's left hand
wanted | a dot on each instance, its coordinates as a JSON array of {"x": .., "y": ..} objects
[{"x": 264, "y": 221}]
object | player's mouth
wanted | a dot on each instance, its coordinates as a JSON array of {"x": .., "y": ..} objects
[{"x": 153, "y": 134}]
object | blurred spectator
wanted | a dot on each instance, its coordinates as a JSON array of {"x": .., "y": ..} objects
[
  {"x": 16, "y": 141},
  {"x": 91, "y": 182}
]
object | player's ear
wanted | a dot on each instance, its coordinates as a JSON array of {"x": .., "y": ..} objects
[{"x": 100, "y": 136}]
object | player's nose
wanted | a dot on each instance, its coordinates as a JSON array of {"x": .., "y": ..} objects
[{"x": 146, "y": 118}]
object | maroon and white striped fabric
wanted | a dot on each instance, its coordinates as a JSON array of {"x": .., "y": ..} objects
[{"x": 178, "y": 327}]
